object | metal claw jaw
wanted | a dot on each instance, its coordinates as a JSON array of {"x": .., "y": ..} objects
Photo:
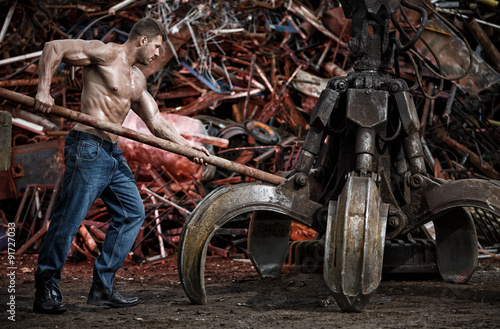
[
  {"x": 356, "y": 228},
  {"x": 354, "y": 246},
  {"x": 456, "y": 245},
  {"x": 268, "y": 242},
  {"x": 286, "y": 200},
  {"x": 445, "y": 204}
]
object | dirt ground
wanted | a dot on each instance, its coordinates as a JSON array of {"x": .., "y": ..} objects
[{"x": 239, "y": 298}]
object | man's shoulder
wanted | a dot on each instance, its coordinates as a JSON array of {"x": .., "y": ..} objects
[
  {"x": 111, "y": 46},
  {"x": 107, "y": 52}
]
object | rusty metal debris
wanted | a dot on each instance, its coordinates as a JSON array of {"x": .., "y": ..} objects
[
  {"x": 361, "y": 176},
  {"x": 250, "y": 73}
]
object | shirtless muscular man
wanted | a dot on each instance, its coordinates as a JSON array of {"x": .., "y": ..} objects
[{"x": 94, "y": 165}]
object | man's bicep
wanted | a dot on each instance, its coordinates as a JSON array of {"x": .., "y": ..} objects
[{"x": 146, "y": 108}]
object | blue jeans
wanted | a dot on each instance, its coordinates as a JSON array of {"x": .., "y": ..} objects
[{"x": 94, "y": 168}]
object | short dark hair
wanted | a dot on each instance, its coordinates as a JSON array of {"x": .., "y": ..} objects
[{"x": 149, "y": 27}]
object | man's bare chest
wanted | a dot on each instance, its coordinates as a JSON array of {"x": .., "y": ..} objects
[{"x": 117, "y": 82}]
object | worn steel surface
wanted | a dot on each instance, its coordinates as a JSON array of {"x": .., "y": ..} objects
[
  {"x": 354, "y": 246},
  {"x": 456, "y": 246},
  {"x": 269, "y": 234}
]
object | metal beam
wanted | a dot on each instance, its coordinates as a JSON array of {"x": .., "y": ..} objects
[{"x": 146, "y": 139}]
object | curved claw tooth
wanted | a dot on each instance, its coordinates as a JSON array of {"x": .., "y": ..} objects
[
  {"x": 268, "y": 237},
  {"x": 218, "y": 208}
]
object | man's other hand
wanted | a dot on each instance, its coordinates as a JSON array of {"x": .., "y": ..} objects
[{"x": 199, "y": 160}]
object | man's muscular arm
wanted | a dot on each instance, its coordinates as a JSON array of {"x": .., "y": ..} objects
[
  {"x": 147, "y": 110},
  {"x": 73, "y": 52}
]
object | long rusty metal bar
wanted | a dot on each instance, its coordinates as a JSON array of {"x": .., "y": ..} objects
[{"x": 146, "y": 139}]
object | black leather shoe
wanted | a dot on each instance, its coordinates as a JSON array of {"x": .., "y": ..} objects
[
  {"x": 44, "y": 299},
  {"x": 99, "y": 297}
]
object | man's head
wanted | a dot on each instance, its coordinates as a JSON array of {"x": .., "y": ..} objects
[
  {"x": 148, "y": 34},
  {"x": 148, "y": 27}
]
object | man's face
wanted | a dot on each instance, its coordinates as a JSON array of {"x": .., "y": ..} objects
[{"x": 150, "y": 49}]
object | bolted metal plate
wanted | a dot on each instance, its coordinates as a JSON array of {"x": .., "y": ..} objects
[{"x": 367, "y": 107}]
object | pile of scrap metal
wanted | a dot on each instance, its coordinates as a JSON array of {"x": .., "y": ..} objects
[{"x": 243, "y": 77}]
